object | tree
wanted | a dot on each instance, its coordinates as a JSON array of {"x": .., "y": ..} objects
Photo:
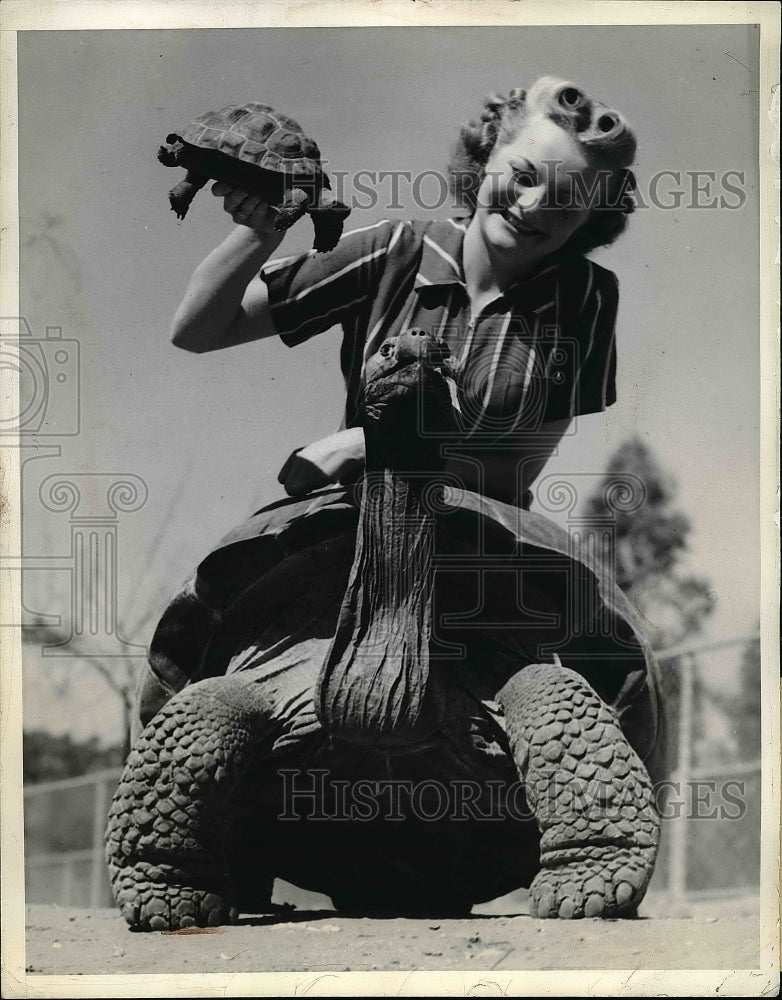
[
  {"x": 69, "y": 676},
  {"x": 637, "y": 497},
  {"x": 65, "y": 674},
  {"x": 649, "y": 541},
  {"x": 47, "y": 757}
]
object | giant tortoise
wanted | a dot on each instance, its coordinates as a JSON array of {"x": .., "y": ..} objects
[{"x": 412, "y": 711}]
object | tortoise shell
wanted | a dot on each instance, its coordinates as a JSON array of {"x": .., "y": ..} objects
[{"x": 257, "y": 134}]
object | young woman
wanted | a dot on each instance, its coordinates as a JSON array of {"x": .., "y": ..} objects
[
  {"x": 529, "y": 320},
  {"x": 545, "y": 178}
]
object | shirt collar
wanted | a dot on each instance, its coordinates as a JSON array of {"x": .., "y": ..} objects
[{"x": 441, "y": 256}]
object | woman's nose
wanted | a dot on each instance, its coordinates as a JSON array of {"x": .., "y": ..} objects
[{"x": 530, "y": 197}]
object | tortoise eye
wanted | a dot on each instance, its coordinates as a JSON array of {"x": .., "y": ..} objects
[
  {"x": 606, "y": 123},
  {"x": 387, "y": 349},
  {"x": 570, "y": 97}
]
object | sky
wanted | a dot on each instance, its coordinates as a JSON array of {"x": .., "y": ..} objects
[{"x": 103, "y": 257}]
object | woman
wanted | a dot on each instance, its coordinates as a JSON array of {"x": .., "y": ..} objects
[
  {"x": 530, "y": 324},
  {"x": 528, "y": 171}
]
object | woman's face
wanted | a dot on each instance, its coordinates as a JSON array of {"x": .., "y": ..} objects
[{"x": 532, "y": 198}]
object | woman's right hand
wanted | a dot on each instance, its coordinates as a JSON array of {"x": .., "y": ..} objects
[
  {"x": 249, "y": 210},
  {"x": 337, "y": 458}
]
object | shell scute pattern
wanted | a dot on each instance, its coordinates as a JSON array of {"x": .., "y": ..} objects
[
  {"x": 256, "y": 134},
  {"x": 262, "y": 152}
]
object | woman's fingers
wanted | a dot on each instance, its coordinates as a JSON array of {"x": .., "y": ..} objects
[
  {"x": 300, "y": 476},
  {"x": 258, "y": 217},
  {"x": 243, "y": 207},
  {"x": 247, "y": 209},
  {"x": 231, "y": 194}
]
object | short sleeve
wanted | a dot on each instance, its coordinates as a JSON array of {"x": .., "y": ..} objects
[
  {"x": 310, "y": 293},
  {"x": 595, "y": 387}
]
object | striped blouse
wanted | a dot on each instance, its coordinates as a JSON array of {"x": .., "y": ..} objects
[{"x": 543, "y": 350}]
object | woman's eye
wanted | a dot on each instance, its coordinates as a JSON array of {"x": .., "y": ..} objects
[{"x": 525, "y": 178}]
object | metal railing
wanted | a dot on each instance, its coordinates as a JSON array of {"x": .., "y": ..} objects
[
  {"x": 61, "y": 876},
  {"x": 678, "y": 831}
]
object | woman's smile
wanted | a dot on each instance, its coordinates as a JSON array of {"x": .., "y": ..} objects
[
  {"x": 514, "y": 218},
  {"x": 528, "y": 204}
]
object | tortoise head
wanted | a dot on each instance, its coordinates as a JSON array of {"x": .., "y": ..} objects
[{"x": 412, "y": 375}]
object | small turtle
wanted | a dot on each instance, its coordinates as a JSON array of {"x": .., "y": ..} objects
[{"x": 256, "y": 148}]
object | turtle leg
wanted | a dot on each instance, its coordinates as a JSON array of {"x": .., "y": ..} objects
[
  {"x": 168, "y": 839},
  {"x": 181, "y": 195},
  {"x": 293, "y": 207},
  {"x": 590, "y": 793}
]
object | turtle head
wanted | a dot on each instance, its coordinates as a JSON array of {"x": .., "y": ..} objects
[
  {"x": 169, "y": 155},
  {"x": 411, "y": 376},
  {"x": 400, "y": 362}
]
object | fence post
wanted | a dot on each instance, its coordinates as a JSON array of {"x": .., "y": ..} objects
[
  {"x": 98, "y": 826},
  {"x": 66, "y": 883},
  {"x": 677, "y": 884}
]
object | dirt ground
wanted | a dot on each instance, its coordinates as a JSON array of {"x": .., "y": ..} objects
[{"x": 498, "y": 936}]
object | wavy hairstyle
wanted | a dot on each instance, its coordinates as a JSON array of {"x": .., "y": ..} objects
[{"x": 606, "y": 136}]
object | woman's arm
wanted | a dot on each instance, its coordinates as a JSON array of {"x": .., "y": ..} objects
[{"x": 226, "y": 303}]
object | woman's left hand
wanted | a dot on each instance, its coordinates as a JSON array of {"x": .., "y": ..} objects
[{"x": 323, "y": 462}]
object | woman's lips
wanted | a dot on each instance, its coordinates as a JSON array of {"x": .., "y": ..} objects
[{"x": 519, "y": 225}]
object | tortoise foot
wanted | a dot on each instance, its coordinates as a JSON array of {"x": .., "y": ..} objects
[
  {"x": 162, "y": 898},
  {"x": 590, "y": 793},
  {"x": 169, "y": 835},
  {"x": 601, "y": 882}
]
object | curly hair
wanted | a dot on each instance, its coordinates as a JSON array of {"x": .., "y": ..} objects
[{"x": 606, "y": 136}]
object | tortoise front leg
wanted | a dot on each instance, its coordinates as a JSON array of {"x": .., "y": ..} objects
[
  {"x": 168, "y": 836},
  {"x": 591, "y": 795},
  {"x": 181, "y": 195}
]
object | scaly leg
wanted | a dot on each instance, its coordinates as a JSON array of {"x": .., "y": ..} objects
[
  {"x": 590, "y": 793},
  {"x": 292, "y": 208},
  {"x": 168, "y": 836},
  {"x": 181, "y": 195}
]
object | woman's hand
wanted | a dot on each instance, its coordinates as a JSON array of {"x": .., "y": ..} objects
[
  {"x": 249, "y": 210},
  {"x": 333, "y": 459}
]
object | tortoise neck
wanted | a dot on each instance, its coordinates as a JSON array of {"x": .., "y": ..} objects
[{"x": 373, "y": 683}]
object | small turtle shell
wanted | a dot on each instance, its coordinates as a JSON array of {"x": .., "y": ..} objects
[{"x": 257, "y": 134}]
